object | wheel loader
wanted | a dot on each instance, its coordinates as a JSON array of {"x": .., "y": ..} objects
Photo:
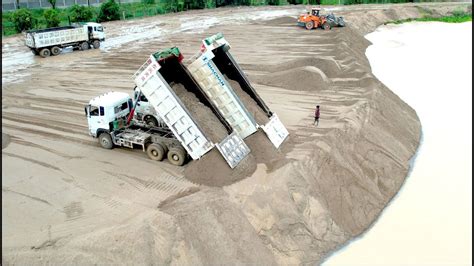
[{"x": 313, "y": 20}]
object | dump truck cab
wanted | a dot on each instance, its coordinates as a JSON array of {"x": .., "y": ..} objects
[
  {"x": 106, "y": 111},
  {"x": 95, "y": 31}
]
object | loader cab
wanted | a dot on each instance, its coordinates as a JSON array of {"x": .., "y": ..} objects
[
  {"x": 315, "y": 11},
  {"x": 95, "y": 31},
  {"x": 104, "y": 110}
]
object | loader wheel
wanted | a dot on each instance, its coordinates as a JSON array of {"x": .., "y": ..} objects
[
  {"x": 55, "y": 50},
  {"x": 177, "y": 156},
  {"x": 155, "y": 151},
  {"x": 84, "y": 46},
  {"x": 105, "y": 140},
  {"x": 96, "y": 44},
  {"x": 151, "y": 121},
  {"x": 326, "y": 26},
  {"x": 45, "y": 52},
  {"x": 309, "y": 25}
]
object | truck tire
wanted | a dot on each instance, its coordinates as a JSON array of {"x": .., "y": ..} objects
[
  {"x": 151, "y": 121},
  {"x": 96, "y": 44},
  {"x": 326, "y": 26},
  {"x": 155, "y": 151},
  {"x": 55, "y": 50},
  {"x": 309, "y": 25},
  {"x": 35, "y": 52},
  {"x": 105, "y": 140},
  {"x": 84, "y": 46},
  {"x": 45, "y": 52},
  {"x": 177, "y": 156}
]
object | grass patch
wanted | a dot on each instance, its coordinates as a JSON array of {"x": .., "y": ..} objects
[{"x": 455, "y": 17}]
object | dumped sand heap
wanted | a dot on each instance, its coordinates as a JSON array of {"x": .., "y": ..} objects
[
  {"x": 249, "y": 103},
  {"x": 206, "y": 119},
  {"x": 305, "y": 78}
]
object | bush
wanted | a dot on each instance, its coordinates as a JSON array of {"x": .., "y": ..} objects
[
  {"x": 80, "y": 13},
  {"x": 109, "y": 11},
  {"x": 52, "y": 18},
  {"x": 23, "y": 19},
  {"x": 148, "y": 2}
]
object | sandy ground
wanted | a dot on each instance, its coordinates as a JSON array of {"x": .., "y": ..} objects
[
  {"x": 66, "y": 200},
  {"x": 430, "y": 222}
]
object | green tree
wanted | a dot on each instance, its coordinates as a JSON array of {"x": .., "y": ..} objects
[
  {"x": 53, "y": 3},
  {"x": 79, "y": 13},
  {"x": 109, "y": 11},
  {"x": 52, "y": 18},
  {"x": 23, "y": 19}
]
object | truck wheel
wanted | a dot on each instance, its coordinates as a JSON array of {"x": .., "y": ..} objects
[
  {"x": 326, "y": 26},
  {"x": 177, "y": 156},
  {"x": 96, "y": 44},
  {"x": 151, "y": 121},
  {"x": 84, "y": 46},
  {"x": 55, "y": 50},
  {"x": 105, "y": 140},
  {"x": 35, "y": 52},
  {"x": 45, "y": 52},
  {"x": 155, "y": 151},
  {"x": 309, "y": 25}
]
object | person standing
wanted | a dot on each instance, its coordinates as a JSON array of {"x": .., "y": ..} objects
[{"x": 316, "y": 116}]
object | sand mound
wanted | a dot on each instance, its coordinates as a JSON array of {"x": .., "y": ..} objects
[
  {"x": 306, "y": 78},
  {"x": 328, "y": 65},
  {"x": 249, "y": 103},
  {"x": 212, "y": 170},
  {"x": 281, "y": 21},
  {"x": 206, "y": 119}
]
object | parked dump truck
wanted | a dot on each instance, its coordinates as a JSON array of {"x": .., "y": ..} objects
[
  {"x": 209, "y": 67},
  {"x": 110, "y": 116},
  {"x": 46, "y": 42}
]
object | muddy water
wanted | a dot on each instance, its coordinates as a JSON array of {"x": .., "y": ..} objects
[{"x": 430, "y": 221}]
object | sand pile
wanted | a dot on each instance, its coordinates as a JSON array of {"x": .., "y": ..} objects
[
  {"x": 292, "y": 206},
  {"x": 327, "y": 65},
  {"x": 212, "y": 170},
  {"x": 249, "y": 103},
  {"x": 307, "y": 78},
  {"x": 206, "y": 119}
]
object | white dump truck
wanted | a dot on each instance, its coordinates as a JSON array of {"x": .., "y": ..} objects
[
  {"x": 46, "y": 42},
  {"x": 109, "y": 116},
  {"x": 208, "y": 69}
]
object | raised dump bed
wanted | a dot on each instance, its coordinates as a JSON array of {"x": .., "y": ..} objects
[
  {"x": 229, "y": 89},
  {"x": 186, "y": 109}
]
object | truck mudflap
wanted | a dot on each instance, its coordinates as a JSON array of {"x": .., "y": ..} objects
[
  {"x": 171, "y": 109},
  {"x": 233, "y": 149},
  {"x": 275, "y": 131},
  {"x": 218, "y": 90}
]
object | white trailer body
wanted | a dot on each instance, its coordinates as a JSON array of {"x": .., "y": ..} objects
[
  {"x": 216, "y": 87},
  {"x": 171, "y": 110},
  {"x": 218, "y": 46},
  {"x": 54, "y": 38}
]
